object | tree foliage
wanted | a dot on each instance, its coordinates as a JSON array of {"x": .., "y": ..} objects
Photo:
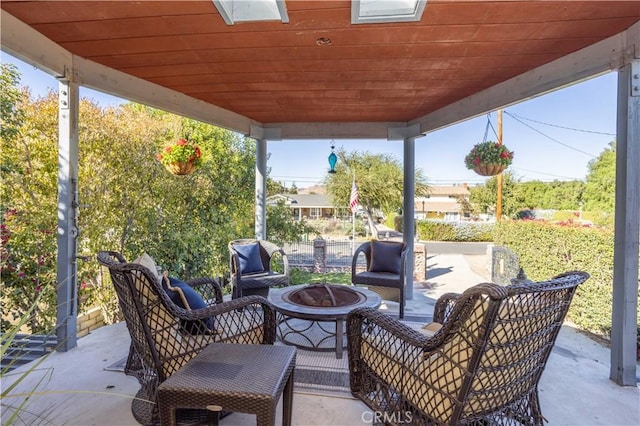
[
  {"x": 28, "y": 161},
  {"x": 11, "y": 114},
  {"x": 485, "y": 196},
  {"x": 379, "y": 178},
  {"x": 281, "y": 228},
  {"x": 555, "y": 195},
  {"x": 128, "y": 202},
  {"x": 535, "y": 194},
  {"x": 600, "y": 190}
]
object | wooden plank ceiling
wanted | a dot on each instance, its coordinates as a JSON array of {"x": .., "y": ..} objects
[{"x": 276, "y": 73}]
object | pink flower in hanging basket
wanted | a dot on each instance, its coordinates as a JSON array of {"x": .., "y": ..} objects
[
  {"x": 181, "y": 157},
  {"x": 488, "y": 153}
]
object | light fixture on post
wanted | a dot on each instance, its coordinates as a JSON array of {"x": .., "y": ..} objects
[{"x": 333, "y": 158}]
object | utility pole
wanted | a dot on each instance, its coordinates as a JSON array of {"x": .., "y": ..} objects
[{"x": 499, "y": 183}]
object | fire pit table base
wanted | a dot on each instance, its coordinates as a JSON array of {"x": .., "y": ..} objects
[
  {"x": 317, "y": 328},
  {"x": 312, "y": 335}
]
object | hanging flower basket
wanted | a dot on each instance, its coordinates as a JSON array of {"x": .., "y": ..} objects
[
  {"x": 181, "y": 157},
  {"x": 488, "y": 158},
  {"x": 181, "y": 167},
  {"x": 489, "y": 169}
]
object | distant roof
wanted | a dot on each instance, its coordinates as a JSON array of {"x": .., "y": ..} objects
[{"x": 449, "y": 190}]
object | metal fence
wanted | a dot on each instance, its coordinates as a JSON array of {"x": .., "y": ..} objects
[{"x": 338, "y": 253}]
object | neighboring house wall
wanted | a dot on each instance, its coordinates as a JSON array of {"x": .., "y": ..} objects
[
  {"x": 442, "y": 203},
  {"x": 309, "y": 206}
]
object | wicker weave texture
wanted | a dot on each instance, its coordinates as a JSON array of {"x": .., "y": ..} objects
[
  {"x": 482, "y": 367},
  {"x": 164, "y": 336},
  {"x": 237, "y": 378}
]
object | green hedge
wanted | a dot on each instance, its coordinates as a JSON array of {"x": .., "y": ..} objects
[
  {"x": 546, "y": 250},
  {"x": 440, "y": 230}
]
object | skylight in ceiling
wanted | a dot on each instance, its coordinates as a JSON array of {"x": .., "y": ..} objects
[
  {"x": 372, "y": 11},
  {"x": 233, "y": 11}
]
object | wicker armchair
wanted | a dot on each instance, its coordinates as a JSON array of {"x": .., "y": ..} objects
[
  {"x": 161, "y": 345},
  {"x": 259, "y": 281},
  {"x": 379, "y": 279},
  {"x": 481, "y": 367}
]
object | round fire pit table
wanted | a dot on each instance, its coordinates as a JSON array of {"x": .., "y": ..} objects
[{"x": 312, "y": 316}]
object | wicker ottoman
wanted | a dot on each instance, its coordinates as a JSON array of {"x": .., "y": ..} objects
[{"x": 233, "y": 377}]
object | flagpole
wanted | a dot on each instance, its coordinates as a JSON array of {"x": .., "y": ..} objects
[
  {"x": 353, "y": 206},
  {"x": 353, "y": 232}
]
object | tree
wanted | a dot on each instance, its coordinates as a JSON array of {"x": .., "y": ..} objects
[
  {"x": 551, "y": 195},
  {"x": 293, "y": 189},
  {"x": 283, "y": 228},
  {"x": 11, "y": 113},
  {"x": 274, "y": 187},
  {"x": 600, "y": 189},
  {"x": 28, "y": 160},
  {"x": 485, "y": 196},
  {"x": 128, "y": 201},
  {"x": 379, "y": 178}
]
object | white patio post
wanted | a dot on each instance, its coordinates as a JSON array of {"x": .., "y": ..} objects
[
  {"x": 408, "y": 135},
  {"x": 261, "y": 135},
  {"x": 67, "y": 301},
  {"x": 627, "y": 228},
  {"x": 261, "y": 189}
]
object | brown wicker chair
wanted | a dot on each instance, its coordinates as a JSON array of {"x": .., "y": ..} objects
[
  {"x": 377, "y": 279},
  {"x": 259, "y": 282},
  {"x": 481, "y": 367},
  {"x": 160, "y": 344}
]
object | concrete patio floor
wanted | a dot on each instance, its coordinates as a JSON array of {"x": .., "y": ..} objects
[{"x": 76, "y": 390}]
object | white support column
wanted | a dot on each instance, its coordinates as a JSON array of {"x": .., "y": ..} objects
[
  {"x": 408, "y": 221},
  {"x": 408, "y": 135},
  {"x": 261, "y": 136},
  {"x": 627, "y": 228},
  {"x": 261, "y": 189},
  {"x": 67, "y": 309}
]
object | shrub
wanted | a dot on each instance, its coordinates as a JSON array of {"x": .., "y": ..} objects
[
  {"x": 439, "y": 230},
  {"x": 547, "y": 249}
]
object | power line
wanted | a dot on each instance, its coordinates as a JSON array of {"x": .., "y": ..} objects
[
  {"x": 549, "y": 137},
  {"x": 561, "y": 127},
  {"x": 548, "y": 174}
]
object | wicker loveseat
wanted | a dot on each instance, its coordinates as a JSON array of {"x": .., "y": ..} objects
[
  {"x": 482, "y": 366},
  {"x": 161, "y": 343}
]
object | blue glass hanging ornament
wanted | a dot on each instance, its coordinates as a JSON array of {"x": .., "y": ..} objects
[{"x": 333, "y": 159}]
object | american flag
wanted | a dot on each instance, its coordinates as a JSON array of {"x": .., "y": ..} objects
[{"x": 353, "y": 200}]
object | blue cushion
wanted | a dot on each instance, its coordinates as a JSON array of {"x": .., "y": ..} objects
[
  {"x": 194, "y": 300},
  {"x": 249, "y": 256},
  {"x": 385, "y": 256}
]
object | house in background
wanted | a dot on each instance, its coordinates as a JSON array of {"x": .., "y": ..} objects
[
  {"x": 443, "y": 202},
  {"x": 309, "y": 206}
]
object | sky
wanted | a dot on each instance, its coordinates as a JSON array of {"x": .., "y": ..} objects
[{"x": 553, "y": 136}]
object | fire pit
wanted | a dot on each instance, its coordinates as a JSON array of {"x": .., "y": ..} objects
[
  {"x": 325, "y": 295},
  {"x": 312, "y": 316}
]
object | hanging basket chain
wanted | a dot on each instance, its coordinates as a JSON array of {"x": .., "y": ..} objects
[{"x": 489, "y": 158}]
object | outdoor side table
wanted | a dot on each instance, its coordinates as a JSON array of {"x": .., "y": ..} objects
[{"x": 234, "y": 377}]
